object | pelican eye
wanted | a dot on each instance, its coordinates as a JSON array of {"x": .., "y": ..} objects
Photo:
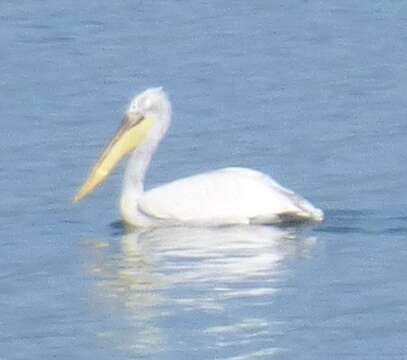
[{"x": 135, "y": 119}]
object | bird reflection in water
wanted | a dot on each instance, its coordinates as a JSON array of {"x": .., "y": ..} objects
[{"x": 159, "y": 273}]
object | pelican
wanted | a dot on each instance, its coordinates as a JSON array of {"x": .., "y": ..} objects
[{"x": 228, "y": 196}]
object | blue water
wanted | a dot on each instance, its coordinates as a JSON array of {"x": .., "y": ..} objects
[{"x": 312, "y": 93}]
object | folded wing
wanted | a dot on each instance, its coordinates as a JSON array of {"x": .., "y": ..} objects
[{"x": 227, "y": 196}]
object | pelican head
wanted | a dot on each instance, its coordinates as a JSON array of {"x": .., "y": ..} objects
[
  {"x": 146, "y": 120},
  {"x": 151, "y": 103}
]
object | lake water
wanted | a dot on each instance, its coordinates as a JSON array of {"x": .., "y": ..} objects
[{"x": 313, "y": 93}]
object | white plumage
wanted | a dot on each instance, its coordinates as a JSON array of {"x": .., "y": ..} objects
[
  {"x": 222, "y": 197},
  {"x": 226, "y": 196}
]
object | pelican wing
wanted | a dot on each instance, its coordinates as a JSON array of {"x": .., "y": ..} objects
[{"x": 226, "y": 196}]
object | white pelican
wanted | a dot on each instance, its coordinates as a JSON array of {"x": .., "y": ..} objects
[{"x": 221, "y": 197}]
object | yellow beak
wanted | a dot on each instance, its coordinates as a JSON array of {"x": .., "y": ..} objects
[{"x": 128, "y": 138}]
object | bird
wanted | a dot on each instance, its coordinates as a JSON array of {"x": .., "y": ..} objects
[{"x": 227, "y": 196}]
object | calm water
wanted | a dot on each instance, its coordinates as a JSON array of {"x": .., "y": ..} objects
[{"x": 313, "y": 93}]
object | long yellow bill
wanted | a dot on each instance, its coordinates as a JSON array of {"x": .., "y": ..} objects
[{"x": 129, "y": 136}]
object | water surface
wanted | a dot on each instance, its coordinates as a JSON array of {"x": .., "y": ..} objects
[{"x": 312, "y": 93}]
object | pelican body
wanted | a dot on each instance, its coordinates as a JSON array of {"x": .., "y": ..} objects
[{"x": 222, "y": 197}]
